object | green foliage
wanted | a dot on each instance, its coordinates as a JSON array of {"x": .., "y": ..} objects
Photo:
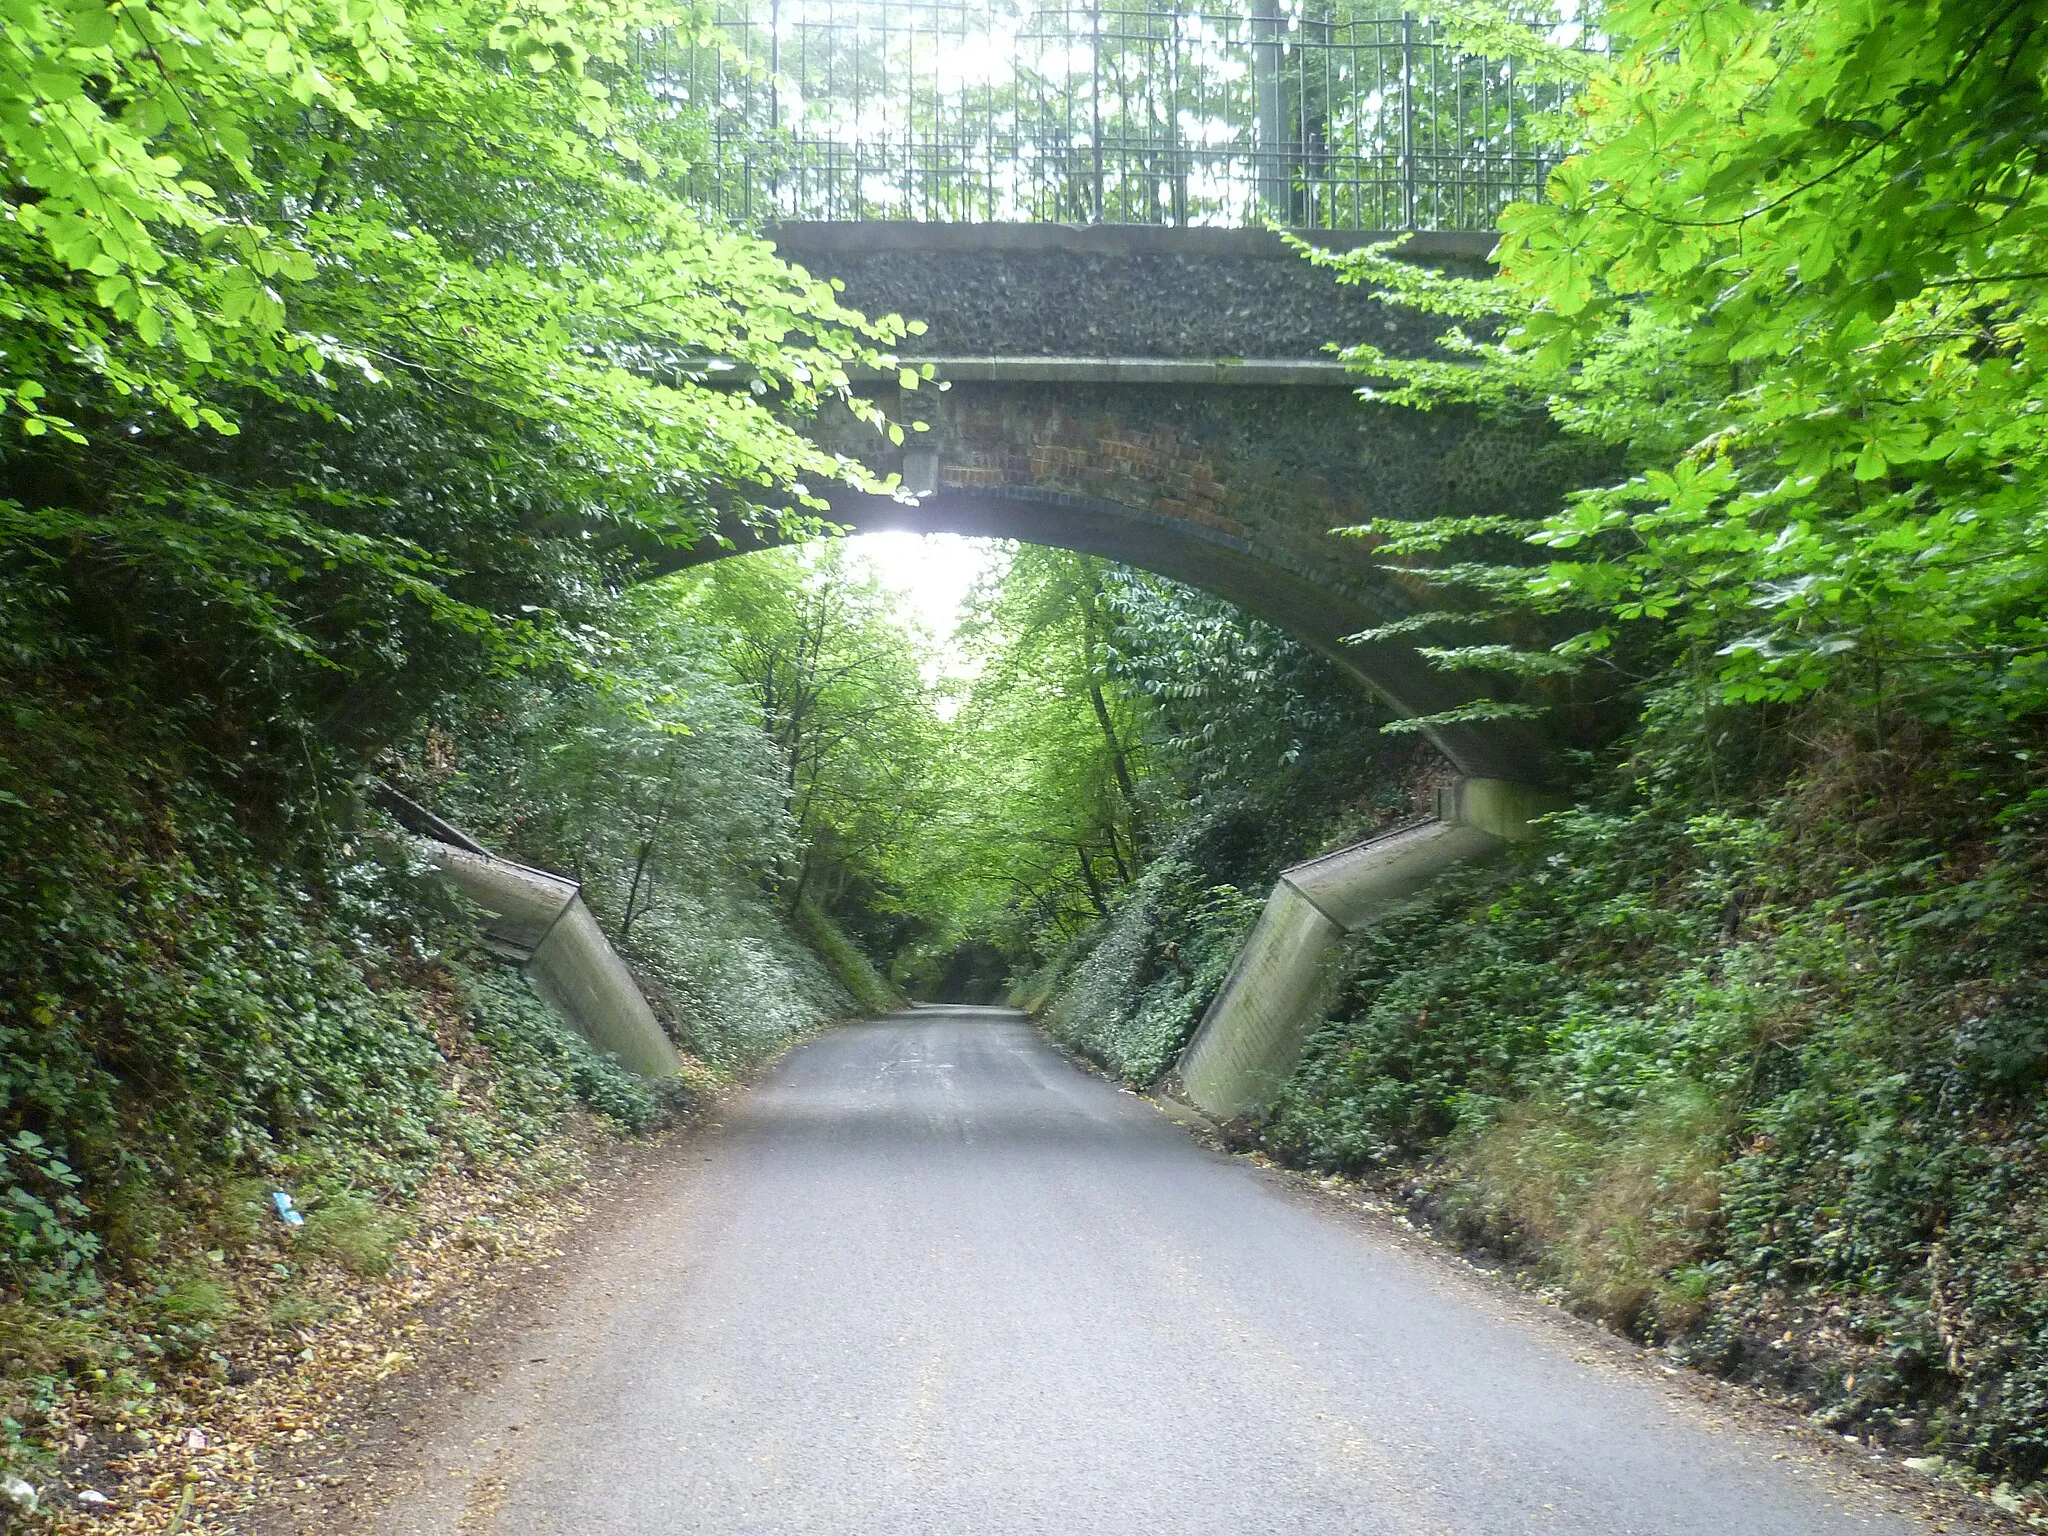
[
  {"x": 848, "y": 963},
  {"x": 1234, "y": 705},
  {"x": 1112, "y": 712},
  {"x": 1792, "y": 274},
  {"x": 49, "y": 1250},
  {"x": 832, "y": 669},
  {"x": 1134, "y": 998},
  {"x": 603, "y": 779},
  {"x": 1758, "y": 1028},
  {"x": 1694, "y": 1059},
  {"x": 730, "y": 979},
  {"x": 1043, "y": 818},
  {"x": 545, "y": 1064},
  {"x": 186, "y": 1024},
  {"x": 349, "y": 357},
  {"x": 194, "y": 1298},
  {"x": 354, "y": 1233},
  {"x": 785, "y": 682},
  {"x": 172, "y": 1005},
  {"x": 1623, "y": 1206}
]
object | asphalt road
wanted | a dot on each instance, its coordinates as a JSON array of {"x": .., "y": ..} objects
[{"x": 929, "y": 1277}]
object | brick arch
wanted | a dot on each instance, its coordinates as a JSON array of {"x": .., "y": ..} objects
[
  {"x": 1202, "y": 548},
  {"x": 1165, "y": 398},
  {"x": 1205, "y": 552},
  {"x": 1229, "y": 487}
]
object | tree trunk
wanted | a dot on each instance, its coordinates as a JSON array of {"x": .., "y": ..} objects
[
  {"x": 803, "y": 878},
  {"x": 1116, "y": 857},
  {"x": 633, "y": 890},
  {"x": 1094, "y": 885}
]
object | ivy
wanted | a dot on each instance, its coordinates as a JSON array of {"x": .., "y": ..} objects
[{"x": 49, "y": 1248}]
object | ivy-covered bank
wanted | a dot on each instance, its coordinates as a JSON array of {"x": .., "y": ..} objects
[
  {"x": 192, "y": 1026},
  {"x": 1747, "y": 1062},
  {"x": 1128, "y": 992},
  {"x": 1761, "y": 1075}
]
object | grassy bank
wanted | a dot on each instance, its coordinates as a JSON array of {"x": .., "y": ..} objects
[
  {"x": 1749, "y": 1063},
  {"x": 195, "y": 1020},
  {"x": 1129, "y": 991}
]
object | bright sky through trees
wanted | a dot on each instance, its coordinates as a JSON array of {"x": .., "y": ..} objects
[{"x": 933, "y": 571}]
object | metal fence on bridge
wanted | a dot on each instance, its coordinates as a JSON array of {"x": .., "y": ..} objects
[{"x": 1139, "y": 112}]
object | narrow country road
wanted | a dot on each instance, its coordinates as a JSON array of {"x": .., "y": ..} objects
[{"x": 928, "y": 1277}]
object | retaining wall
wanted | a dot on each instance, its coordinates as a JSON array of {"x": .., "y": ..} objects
[{"x": 1252, "y": 1035}]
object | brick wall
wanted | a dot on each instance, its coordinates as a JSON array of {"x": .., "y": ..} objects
[{"x": 1098, "y": 454}]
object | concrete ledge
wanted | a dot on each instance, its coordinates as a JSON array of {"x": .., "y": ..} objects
[
  {"x": 798, "y": 240},
  {"x": 1252, "y": 1035},
  {"x": 1355, "y": 886},
  {"x": 1263, "y": 372},
  {"x": 578, "y": 971},
  {"x": 524, "y": 903},
  {"x": 567, "y": 957}
]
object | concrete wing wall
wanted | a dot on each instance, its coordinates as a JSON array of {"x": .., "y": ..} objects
[
  {"x": 1253, "y": 1033},
  {"x": 566, "y": 955}
]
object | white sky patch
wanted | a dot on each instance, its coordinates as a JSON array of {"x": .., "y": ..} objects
[{"x": 933, "y": 572}]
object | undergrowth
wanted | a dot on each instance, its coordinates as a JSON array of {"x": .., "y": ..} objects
[
  {"x": 846, "y": 960},
  {"x": 196, "y": 1024},
  {"x": 1131, "y": 1001},
  {"x": 1745, "y": 1055},
  {"x": 1756, "y": 1070},
  {"x": 1129, "y": 990}
]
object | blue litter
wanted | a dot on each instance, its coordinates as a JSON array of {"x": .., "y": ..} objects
[{"x": 285, "y": 1211}]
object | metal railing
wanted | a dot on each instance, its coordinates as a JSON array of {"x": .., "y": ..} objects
[{"x": 1133, "y": 112}]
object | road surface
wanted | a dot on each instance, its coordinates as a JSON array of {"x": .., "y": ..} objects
[{"x": 929, "y": 1277}]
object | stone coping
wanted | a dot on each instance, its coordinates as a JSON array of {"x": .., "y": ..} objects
[{"x": 1262, "y": 372}]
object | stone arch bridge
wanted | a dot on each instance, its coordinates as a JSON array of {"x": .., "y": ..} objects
[{"x": 1165, "y": 398}]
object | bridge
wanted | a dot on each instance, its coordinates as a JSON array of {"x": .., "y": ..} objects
[
  {"x": 1070, "y": 197},
  {"x": 1079, "y": 201},
  {"x": 1162, "y": 397}
]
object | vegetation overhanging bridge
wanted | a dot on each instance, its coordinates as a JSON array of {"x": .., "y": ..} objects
[
  {"x": 1079, "y": 204},
  {"x": 1107, "y": 394},
  {"x": 1157, "y": 397},
  {"x": 1074, "y": 199}
]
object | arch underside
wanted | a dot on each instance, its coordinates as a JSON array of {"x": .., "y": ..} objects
[{"x": 1214, "y": 561}]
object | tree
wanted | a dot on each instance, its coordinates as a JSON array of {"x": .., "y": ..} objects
[
  {"x": 1052, "y": 738},
  {"x": 1112, "y": 712},
  {"x": 1798, "y": 270},
  {"x": 833, "y": 672},
  {"x": 1235, "y": 704},
  {"x": 651, "y": 768},
  {"x": 349, "y": 355}
]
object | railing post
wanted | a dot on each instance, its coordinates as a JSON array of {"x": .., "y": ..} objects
[
  {"x": 1407, "y": 121},
  {"x": 1095, "y": 103},
  {"x": 1177, "y": 163},
  {"x": 1269, "y": 129},
  {"x": 774, "y": 99},
  {"x": 774, "y": 64}
]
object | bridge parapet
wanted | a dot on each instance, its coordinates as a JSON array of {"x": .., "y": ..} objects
[
  {"x": 1019, "y": 290},
  {"x": 1162, "y": 112}
]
